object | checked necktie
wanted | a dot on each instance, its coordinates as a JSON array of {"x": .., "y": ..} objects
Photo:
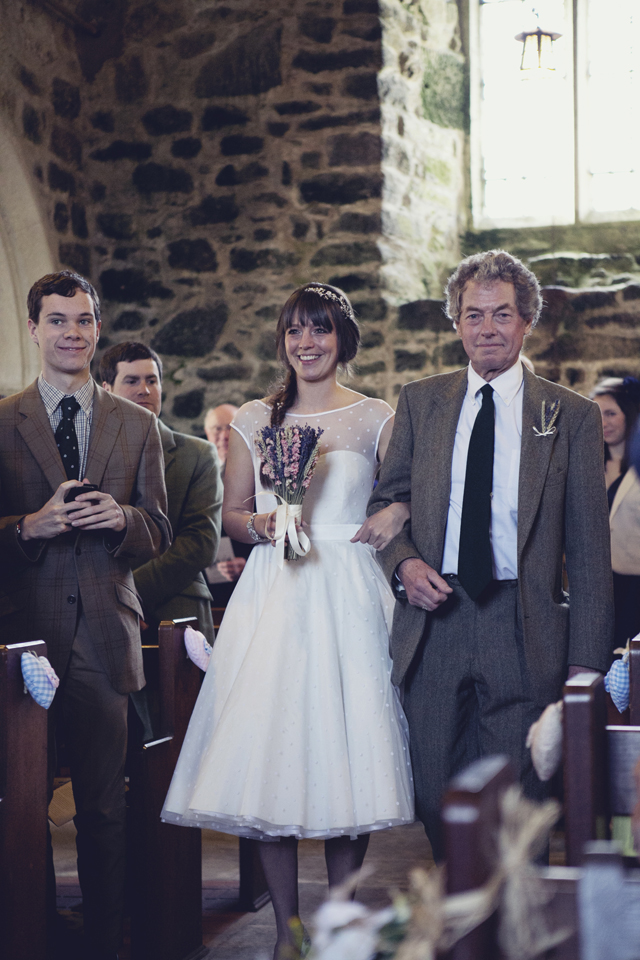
[
  {"x": 67, "y": 439},
  {"x": 475, "y": 562}
]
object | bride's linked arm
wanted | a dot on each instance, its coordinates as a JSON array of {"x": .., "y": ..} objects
[
  {"x": 239, "y": 493},
  {"x": 380, "y": 529}
]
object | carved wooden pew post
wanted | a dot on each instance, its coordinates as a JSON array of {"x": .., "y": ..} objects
[
  {"x": 166, "y": 910},
  {"x": 23, "y": 811}
]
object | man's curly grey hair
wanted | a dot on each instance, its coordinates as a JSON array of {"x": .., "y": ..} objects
[{"x": 490, "y": 267}]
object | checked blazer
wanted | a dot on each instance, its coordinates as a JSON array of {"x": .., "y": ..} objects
[
  {"x": 43, "y": 580},
  {"x": 562, "y": 511}
]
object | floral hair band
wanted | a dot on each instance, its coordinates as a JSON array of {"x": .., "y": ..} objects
[{"x": 330, "y": 295}]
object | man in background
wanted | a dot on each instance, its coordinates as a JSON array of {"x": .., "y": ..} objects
[
  {"x": 173, "y": 585},
  {"x": 224, "y": 574},
  {"x": 67, "y": 572}
]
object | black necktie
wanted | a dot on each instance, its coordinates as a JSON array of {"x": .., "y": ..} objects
[
  {"x": 475, "y": 563},
  {"x": 67, "y": 439}
]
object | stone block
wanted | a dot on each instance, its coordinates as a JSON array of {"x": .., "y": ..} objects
[
  {"x": 371, "y": 339},
  {"x": 341, "y": 188},
  {"x": 31, "y": 124},
  {"x": 215, "y": 118},
  {"x": 352, "y": 254},
  {"x": 445, "y": 97},
  {"x": 271, "y": 198},
  {"x": 365, "y": 369},
  {"x": 123, "y": 150},
  {"x": 371, "y": 310},
  {"x": 131, "y": 286},
  {"x": 237, "y": 144},
  {"x": 287, "y": 177},
  {"x": 232, "y": 351},
  {"x": 409, "y": 360},
  {"x": 130, "y": 80},
  {"x": 451, "y": 354},
  {"x": 350, "y": 7},
  {"x": 61, "y": 217},
  {"x": 213, "y": 210},
  {"x": 66, "y": 146},
  {"x": 193, "y": 44},
  {"x": 129, "y": 320},
  {"x": 267, "y": 349},
  {"x": 118, "y": 226},
  {"x": 245, "y": 261},
  {"x": 311, "y": 159},
  {"x": 103, "y": 120},
  {"x": 300, "y": 228},
  {"x": 226, "y": 371},
  {"x": 593, "y": 300},
  {"x": 76, "y": 256},
  {"x": 79, "y": 221},
  {"x": 340, "y": 120},
  {"x": 186, "y": 148},
  {"x": 312, "y": 62},
  {"x": 61, "y": 180},
  {"x": 355, "y": 150},
  {"x": 167, "y": 119},
  {"x": 362, "y": 86},
  {"x": 567, "y": 346},
  {"x": 630, "y": 320},
  {"x": 28, "y": 80},
  {"x": 354, "y": 281},
  {"x": 65, "y": 98},
  {"x": 229, "y": 176},
  {"x": 196, "y": 255},
  {"x": 97, "y": 191},
  {"x": 293, "y": 107},
  {"x": 364, "y": 28},
  {"x": 153, "y": 19},
  {"x": 250, "y": 64},
  {"x": 319, "y": 29},
  {"x": 277, "y": 129},
  {"x": 270, "y": 312},
  {"x": 156, "y": 178},
  {"x": 261, "y": 235},
  {"x": 423, "y": 315},
  {"x": 192, "y": 333},
  {"x": 188, "y": 405},
  {"x": 631, "y": 292}
]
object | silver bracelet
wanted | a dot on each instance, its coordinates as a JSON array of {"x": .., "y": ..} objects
[{"x": 253, "y": 533}]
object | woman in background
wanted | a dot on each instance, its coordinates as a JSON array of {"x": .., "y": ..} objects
[{"x": 619, "y": 402}]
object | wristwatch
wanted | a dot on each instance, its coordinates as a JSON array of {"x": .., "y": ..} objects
[{"x": 253, "y": 533}]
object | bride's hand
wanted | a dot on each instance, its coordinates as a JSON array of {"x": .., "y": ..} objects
[
  {"x": 270, "y": 526},
  {"x": 380, "y": 529}
]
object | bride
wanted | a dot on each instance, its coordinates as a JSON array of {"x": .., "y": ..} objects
[{"x": 298, "y": 731}]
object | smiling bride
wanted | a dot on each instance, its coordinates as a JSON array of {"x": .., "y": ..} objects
[{"x": 298, "y": 731}]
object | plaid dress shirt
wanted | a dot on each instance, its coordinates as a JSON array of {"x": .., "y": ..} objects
[{"x": 51, "y": 398}]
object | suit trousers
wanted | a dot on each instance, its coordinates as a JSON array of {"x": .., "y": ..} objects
[
  {"x": 92, "y": 719},
  {"x": 467, "y": 695}
]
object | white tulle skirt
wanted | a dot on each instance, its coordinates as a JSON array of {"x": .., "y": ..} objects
[{"x": 298, "y": 730}]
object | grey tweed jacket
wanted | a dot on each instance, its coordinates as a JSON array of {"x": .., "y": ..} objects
[{"x": 562, "y": 511}]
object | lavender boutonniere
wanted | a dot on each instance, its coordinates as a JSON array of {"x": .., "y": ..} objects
[{"x": 548, "y": 417}]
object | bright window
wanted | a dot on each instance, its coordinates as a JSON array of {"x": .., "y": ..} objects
[{"x": 556, "y": 146}]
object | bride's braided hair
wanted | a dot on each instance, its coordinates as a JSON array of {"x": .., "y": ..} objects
[{"x": 320, "y": 305}]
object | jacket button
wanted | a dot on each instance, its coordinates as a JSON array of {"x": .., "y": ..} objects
[{"x": 71, "y": 598}]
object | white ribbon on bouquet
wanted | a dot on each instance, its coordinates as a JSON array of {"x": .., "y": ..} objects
[{"x": 286, "y": 516}]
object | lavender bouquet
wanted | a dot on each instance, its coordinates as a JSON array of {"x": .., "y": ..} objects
[{"x": 288, "y": 458}]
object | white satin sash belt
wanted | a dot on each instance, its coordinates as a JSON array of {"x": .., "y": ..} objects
[
  {"x": 334, "y": 531},
  {"x": 286, "y": 516}
]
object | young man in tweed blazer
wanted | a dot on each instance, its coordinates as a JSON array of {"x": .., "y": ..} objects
[
  {"x": 67, "y": 569},
  {"x": 477, "y": 672}
]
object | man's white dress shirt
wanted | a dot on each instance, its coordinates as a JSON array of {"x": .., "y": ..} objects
[
  {"x": 51, "y": 398},
  {"x": 507, "y": 395}
]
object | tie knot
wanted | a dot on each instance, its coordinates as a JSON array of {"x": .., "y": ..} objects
[
  {"x": 487, "y": 391},
  {"x": 69, "y": 406}
]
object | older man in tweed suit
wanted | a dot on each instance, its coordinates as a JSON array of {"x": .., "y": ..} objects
[
  {"x": 504, "y": 472},
  {"x": 67, "y": 567}
]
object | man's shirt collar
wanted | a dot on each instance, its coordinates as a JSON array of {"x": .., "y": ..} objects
[
  {"x": 51, "y": 396},
  {"x": 506, "y": 385}
]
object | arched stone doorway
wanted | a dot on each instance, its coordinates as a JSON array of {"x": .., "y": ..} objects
[{"x": 25, "y": 255}]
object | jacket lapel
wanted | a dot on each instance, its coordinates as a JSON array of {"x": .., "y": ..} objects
[
  {"x": 169, "y": 445},
  {"x": 437, "y": 486},
  {"x": 105, "y": 427},
  {"x": 36, "y": 432},
  {"x": 535, "y": 454}
]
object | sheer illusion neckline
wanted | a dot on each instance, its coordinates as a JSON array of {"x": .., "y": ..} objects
[{"x": 322, "y": 413}]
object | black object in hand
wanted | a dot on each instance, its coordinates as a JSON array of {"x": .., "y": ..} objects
[{"x": 76, "y": 491}]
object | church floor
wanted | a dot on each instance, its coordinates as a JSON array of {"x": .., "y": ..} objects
[{"x": 232, "y": 935}]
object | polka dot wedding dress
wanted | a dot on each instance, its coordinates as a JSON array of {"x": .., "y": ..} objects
[{"x": 298, "y": 730}]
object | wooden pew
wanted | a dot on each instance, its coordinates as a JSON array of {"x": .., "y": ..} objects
[
  {"x": 165, "y": 860},
  {"x": 598, "y": 765},
  {"x": 23, "y": 811}
]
